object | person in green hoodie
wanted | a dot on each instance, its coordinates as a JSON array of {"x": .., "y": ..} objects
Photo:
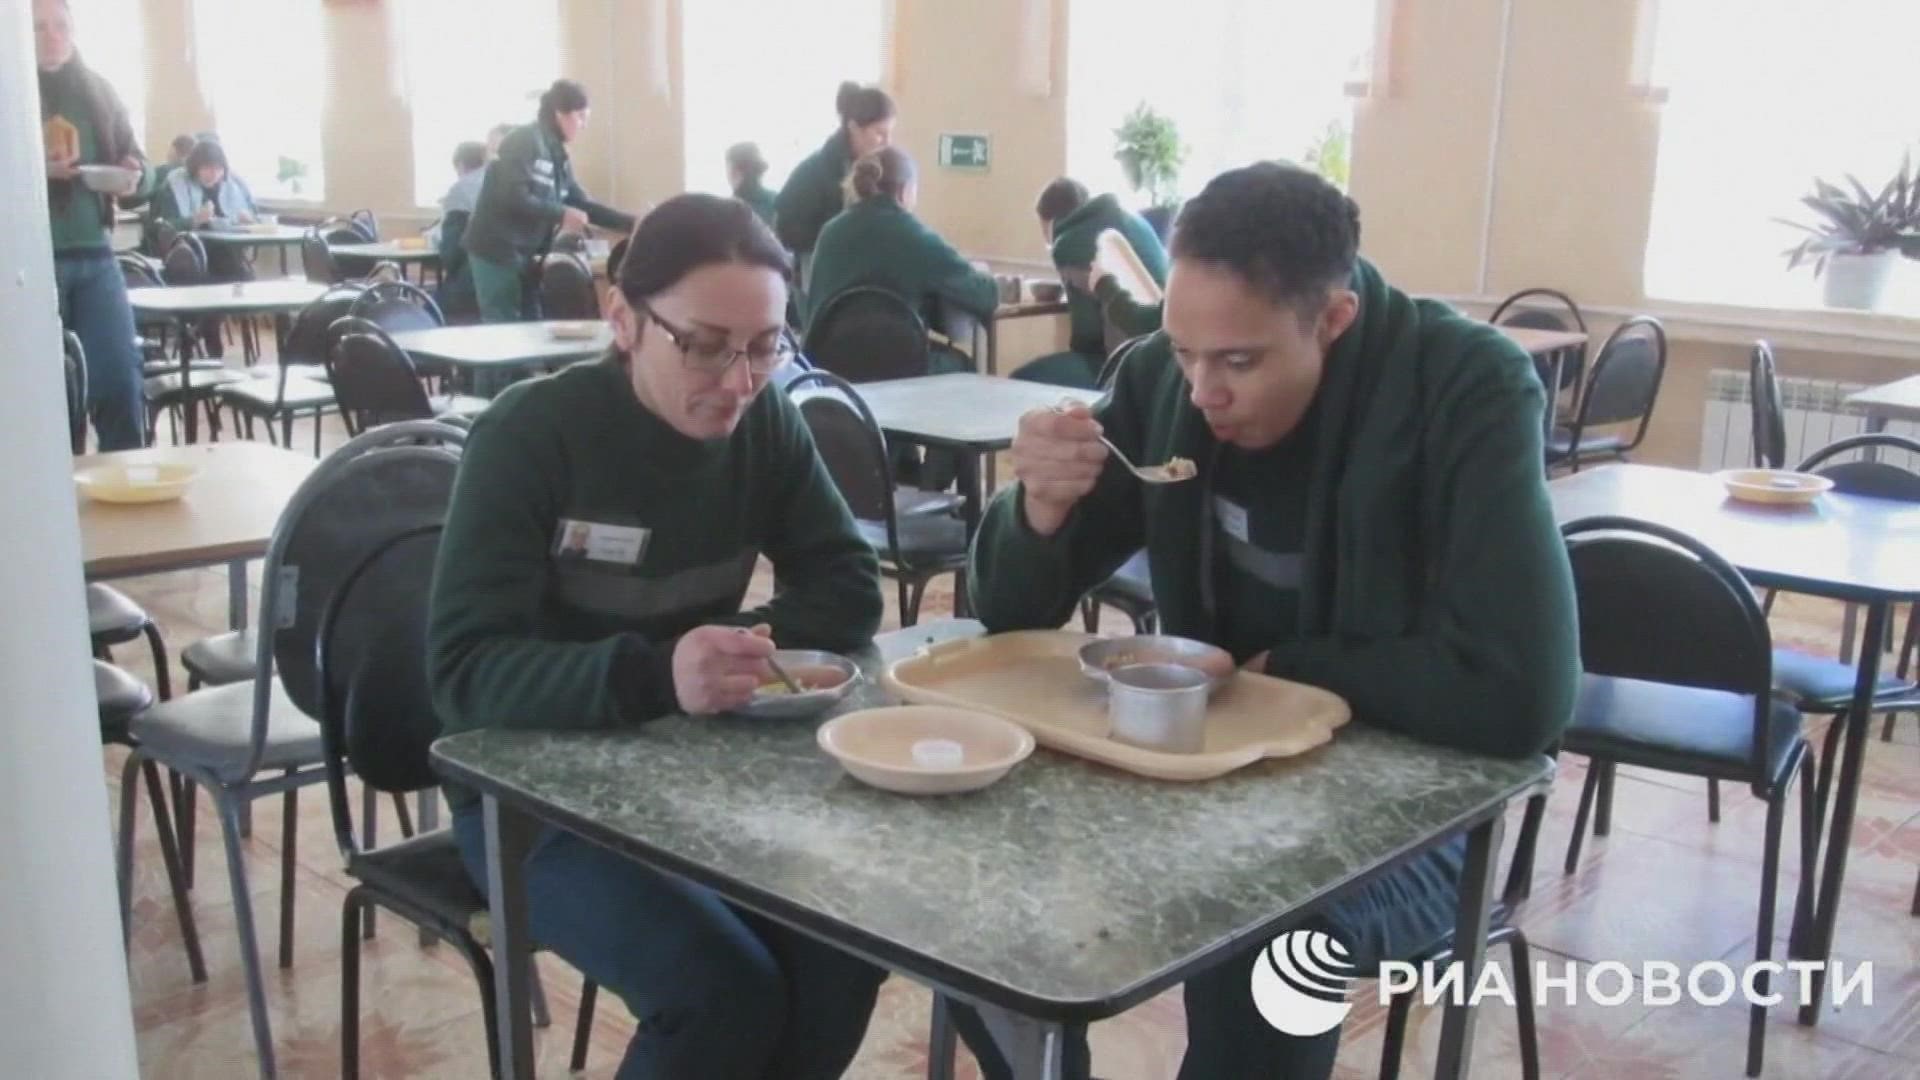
[
  {"x": 80, "y": 105},
  {"x": 1370, "y": 516},
  {"x": 604, "y": 527},
  {"x": 814, "y": 192},
  {"x": 745, "y": 167},
  {"x": 528, "y": 193},
  {"x": 1072, "y": 221}
]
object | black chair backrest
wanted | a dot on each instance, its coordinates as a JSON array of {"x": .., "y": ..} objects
[
  {"x": 376, "y": 702},
  {"x": 615, "y": 256},
  {"x": 317, "y": 261},
  {"x": 850, "y": 443},
  {"x": 1110, "y": 370},
  {"x": 398, "y": 306},
  {"x": 186, "y": 261},
  {"x": 566, "y": 288},
  {"x": 307, "y": 337},
  {"x": 1657, "y": 605},
  {"x": 374, "y": 380},
  {"x": 140, "y": 271},
  {"x": 1625, "y": 382},
  {"x": 867, "y": 334},
  {"x": 75, "y": 362},
  {"x": 366, "y": 223},
  {"x": 1769, "y": 418},
  {"x": 1547, "y": 309},
  {"x": 1877, "y": 478},
  {"x": 161, "y": 237}
]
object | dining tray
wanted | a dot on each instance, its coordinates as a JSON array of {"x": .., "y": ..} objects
[{"x": 1033, "y": 678}]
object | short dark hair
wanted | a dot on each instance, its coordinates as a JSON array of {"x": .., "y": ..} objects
[
  {"x": 204, "y": 153},
  {"x": 1060, "y": 198},
  {"x": 746, "y": 158},
  {"x": 564, "y": 96},
  {"x": 469, "y": 156},
  {"x": 694, "y": 230},
  {"x": 862, "y": 105},
  {"x": 182, "y": 144},
  {"x": 1286, "y": 230}
]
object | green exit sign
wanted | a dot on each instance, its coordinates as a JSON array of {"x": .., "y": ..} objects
[{"x": 964, "y": 151}]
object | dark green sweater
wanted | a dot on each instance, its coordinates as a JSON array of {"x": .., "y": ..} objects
[
  {"x": 524, "y": 195},
  {"x": 1434, "y": 591},
  {"x": 1075, "y": 240},
  {"x": 876, "y": 242},
  {"x": 522, "y": 637},
  {"x": 754, "y": 194},
  {"x": 814, "y": 193},
  {"x": 83, "y": 220}
]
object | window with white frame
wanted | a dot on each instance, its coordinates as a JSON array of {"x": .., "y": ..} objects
[
  {"x": 263, "y": 71},
  {"x": 766, "y": 71},
  {"x": 110, "y": 37},
  {"x": 1242, "y": 81},
  {"x": 469, "y": 66},
  {"x": 1761, "y": 98}
]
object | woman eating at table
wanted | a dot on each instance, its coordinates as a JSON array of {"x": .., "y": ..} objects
[
  {"x": 204, "y": 194},
  {"x": 603, "y": 531},
  {"x": 528, "y": 193},
  {"x": 745, "y": 167},
  {"x": 814, "y": 193}
]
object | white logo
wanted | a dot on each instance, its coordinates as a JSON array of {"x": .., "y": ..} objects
[{"x": 1300, "y": 983}]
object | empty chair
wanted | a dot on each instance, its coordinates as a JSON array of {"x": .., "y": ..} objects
[
  {"x": 1622, "y": 389},
  {"x": 186, "y": 264},
  {"x": 1769, "y": 420},
  {"x": 367, "y": 223},
  {"x": 396, "y": 307},
  {"x": 375, "y": 381},
  {"x": 868, "y": 334},
  {"x": 74, "y": 365},
  {"x": 566, "y": 288},
  {"x": 1548, "y": 309},
  {"x": 913, "y": 550},
  {"x": 1130, "y": 588}
]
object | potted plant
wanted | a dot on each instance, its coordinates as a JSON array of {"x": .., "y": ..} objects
[
  {"x": 1860, "y": 236},
  {"x": 291, "y": 173},
  {"x": 1150, "y": 153},
  {"x": 1331, "y": 155}
]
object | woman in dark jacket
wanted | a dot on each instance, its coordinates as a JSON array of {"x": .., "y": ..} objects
[
  {"x": 813, "y": 194},
  {"x": 528, "y": 193},
  {"x": 745, "y": 167}
]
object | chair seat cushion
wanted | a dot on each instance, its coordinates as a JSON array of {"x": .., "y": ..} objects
[
  {"x": 157, "y": 368},
  {"x": 164, "y": 387},
  {"x": 121, "y": 698},
  {"x": 1680, "y": 729},
  {"x": 221, "y": 659},
  {"x": 426, "y": 873},
  {"x": 458, "y": 405},
  {"x": 908, "y": 501},
  {"x": 1591, "y": 445},
  {"x": 213, "y": 729},
  {"x": 264, "y": 393},
  {"x": 112, "y": 616},
  {"x": 923, "y": 537},
  {"x": 1817, "y": 684}
]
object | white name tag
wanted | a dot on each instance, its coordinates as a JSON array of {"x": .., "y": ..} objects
[
  {"x": 600, "y": 542},
  {"x": 543, "y": 166},
  {"x": 1232, "y": 518}
]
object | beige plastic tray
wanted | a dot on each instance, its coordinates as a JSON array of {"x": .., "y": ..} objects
[
  {"x": 1118, "y": 258},
  {"x": 1033, "y": 678}
]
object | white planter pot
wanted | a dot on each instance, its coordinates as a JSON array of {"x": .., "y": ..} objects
[{"x": 1859, "y": 281}]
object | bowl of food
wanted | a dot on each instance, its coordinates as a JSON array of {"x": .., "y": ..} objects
[
  {"x": 135, "y": 482},
  {"x": 825, "y": 680},
  {"x": 1048, "y": 292},
  {"x": 1099, "y": 658},
  {"x": 925, "y": 749},
  {"x": 410, "y": 243},
  {"x": 109, "y": 179},
  {"x": 1777, "y": 487}
]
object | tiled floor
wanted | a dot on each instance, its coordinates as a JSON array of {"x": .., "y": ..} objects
[{"x": 1665, "y": 885}]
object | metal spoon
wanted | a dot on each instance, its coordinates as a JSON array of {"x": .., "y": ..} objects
[
  {"x": 1153, "y": 474},
  {"x": 792, "y": 687}
]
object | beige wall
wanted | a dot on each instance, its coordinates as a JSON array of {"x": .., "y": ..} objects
[{"x": 1505, "y": 148}]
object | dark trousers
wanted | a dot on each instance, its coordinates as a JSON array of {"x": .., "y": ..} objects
[
  {"x": 719, "y": 993},
  {"x": 1392, "y": 918}
]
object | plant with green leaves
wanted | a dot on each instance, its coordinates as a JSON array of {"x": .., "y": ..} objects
[
  {"x": 291, "y": 173},
  {"x": 1150, "y": 153},
  {"x": 1331, "y": 154},
  {"x": 1855, "y": 221}
]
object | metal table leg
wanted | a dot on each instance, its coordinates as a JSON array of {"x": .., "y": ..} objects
[
  {"x": 1470, "y": 945},
  {"x": 1035, "y": 1049},
  {"x": 237, "y": 594},
  {"x": 509, "y": 837}
]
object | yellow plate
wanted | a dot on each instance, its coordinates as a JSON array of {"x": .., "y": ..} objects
[
  {"x": 136, "y": 483},
  {"x": 1777, "y": 487}
]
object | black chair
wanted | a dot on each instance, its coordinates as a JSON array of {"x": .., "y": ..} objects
[
  {"x": 615, "y": 256},
  {"x": 317, "y": 261},
  {"x": 166, "y": 390},
  {"x": 1548, "y": 309},
  {"x": 1130, "y": 588},
  {"x": 145, "y": 272},
  {"x": 913, "y": 550},
  {"x": 1679, "y": 678},
  {"x": 1769, "y": 419},
  {"x": 375, "y": 381},
  {"x": 74, "y": 364},
  {"x": 367, "y": 224},
  {"x": 377, "y": 718},
  {"x": 1622, "y": 389},
  {"x": 348, "y": 231},
  {"x": 566, "y": 288},
  {"x": 398, "y": 306},
  {"x": 867, "y": 334}
]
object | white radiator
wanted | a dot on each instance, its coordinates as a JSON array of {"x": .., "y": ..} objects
[{"x": 1816, "y": 415}]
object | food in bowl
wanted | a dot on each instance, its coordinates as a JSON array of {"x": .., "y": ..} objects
[
  {"x": 808, "y": 679},
  {"x": 1048, "y": 292},
  {"x": 1099, "y": 658}
]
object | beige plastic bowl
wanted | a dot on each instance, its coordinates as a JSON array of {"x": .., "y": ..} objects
[
  {"x": 910, "y": 749},
  {"x": 136, "y": 483},
  {"x": 1775, "y": 486}
]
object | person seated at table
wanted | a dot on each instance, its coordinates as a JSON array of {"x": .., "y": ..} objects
[
  {"x": 204, "y": 194},
  {"x": 524, "y": 196},
  {"x": 1369, "y": 516},
  {"x": 815, "y": 191},
  {"x": 177, "y": 152},
  {"x": 1072, "y": 221},
  {"x": 496, "y": 135},
  {"x": 455, "y": 293},
  {"x": 745, "y": 167},
  {"x": 603, "y": 530}
]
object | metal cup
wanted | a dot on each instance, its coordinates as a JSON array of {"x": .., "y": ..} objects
[{"x": 1158, "y": 707}]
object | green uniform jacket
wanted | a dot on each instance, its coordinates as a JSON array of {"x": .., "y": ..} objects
[
  {"x": 1075, "y": 238},
  {"x": 1129, "y": 316},
  {"x": 82, "y": 220},
  {"x": 523, "y": 636},
  {"x": 813, "y": 194},
  {"x": 1435, "y": 595},
  {"x": 876, "y": 242},
  {"x": 524, "y": 195},
  {"x": 758, "y": 197}
]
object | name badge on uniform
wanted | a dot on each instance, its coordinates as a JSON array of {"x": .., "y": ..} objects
[
  {"x": 600, "y": 542},
  {"x": 543, "y": 166},
  {"x": 1232, "y": 518}
]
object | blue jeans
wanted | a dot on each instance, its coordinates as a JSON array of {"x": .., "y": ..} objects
[
  {"x": 93, "y": 304},
  {"x": 1390, "y": 918},
  {"x": 719, "y": 993}
]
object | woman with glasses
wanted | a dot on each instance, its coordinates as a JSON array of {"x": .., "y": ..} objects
[{"x": 603, "y": 531}]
